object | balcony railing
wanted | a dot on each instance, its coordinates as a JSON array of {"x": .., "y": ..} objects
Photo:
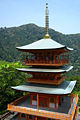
[
  {"x": 74, "y": 107},
  {"x": 45, "y": 81},
  {"x": 45, "y": 62},
  {"x": 41, "y": 112}
]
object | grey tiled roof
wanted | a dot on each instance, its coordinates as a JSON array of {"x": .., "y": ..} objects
[
  {"x": 62, "y": 69},
  {"x": 43, "y": 44},
  {"x": 65, "y": 87}
]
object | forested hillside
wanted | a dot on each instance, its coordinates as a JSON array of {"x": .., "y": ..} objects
[{"x": 25, "y": 34}]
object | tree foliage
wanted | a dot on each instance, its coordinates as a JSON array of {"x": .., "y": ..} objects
[{"x": 9, "y": 77}]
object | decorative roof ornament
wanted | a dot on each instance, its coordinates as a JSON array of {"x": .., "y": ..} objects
[
  {"x": 43, "y": 44},
  {"x": 47, "y": 23}
]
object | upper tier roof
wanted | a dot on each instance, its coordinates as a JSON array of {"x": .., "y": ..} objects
[
  {"x": 43, "y": 44},
  {"x": 65, "y": 87}
]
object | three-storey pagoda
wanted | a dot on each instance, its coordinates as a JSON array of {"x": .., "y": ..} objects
[{"x": 49, "y": 97}]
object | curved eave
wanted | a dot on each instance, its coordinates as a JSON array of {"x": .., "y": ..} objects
[
  {"x": 66, "y": 87},
  {"x": 62, "y": 70},
  {"x": 70, "y": 49},
  {"x": 22, "y": 49},
  {"x": 43, "y": 44}
]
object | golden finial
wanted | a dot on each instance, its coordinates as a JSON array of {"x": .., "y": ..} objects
[{"x": 46, "y": 22}]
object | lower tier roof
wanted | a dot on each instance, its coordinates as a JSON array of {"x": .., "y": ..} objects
[
  {"x": 65, "y": 87},
  {"x": 57, "y": 70}
]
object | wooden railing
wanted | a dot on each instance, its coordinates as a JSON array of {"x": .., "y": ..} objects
[
  {"x": 74, "y": 107},
  {"x": 61, "y": 79},
  {"x": 45, "y": 62},
  {"x": 37, "y": 112},
  {"x": 19, "y": 99},
  {"x": 45, "y": 81},
  {"x": 42, "y": 113}
]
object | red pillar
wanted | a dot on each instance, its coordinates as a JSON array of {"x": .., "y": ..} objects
[
  {"x": 37, "y": 100},
  {"x": 19, "y": 116},
  {"x": 36, "y": 118},
  {"x": 75, "y": 115},
  {"x": 26, "y": 117}
]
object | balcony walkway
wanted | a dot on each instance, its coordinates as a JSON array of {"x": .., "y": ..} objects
[
  {"x": 64, "y": 111},
  {"x": 61, "y": 108}
]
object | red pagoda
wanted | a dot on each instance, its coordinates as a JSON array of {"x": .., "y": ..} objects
[{"x": 47, "y": 97}]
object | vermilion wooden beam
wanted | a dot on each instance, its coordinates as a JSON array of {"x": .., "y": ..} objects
[
  {"x": 19, "y": 116},
  {"x": 26, "y": 117},
  {"x": 36, "y": 118},
  {"x": 37, "y": 100}
]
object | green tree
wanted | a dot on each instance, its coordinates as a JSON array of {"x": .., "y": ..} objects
[{"x": 9, "y": 76}]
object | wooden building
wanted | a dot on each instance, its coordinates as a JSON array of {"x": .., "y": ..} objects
[{"x": 48, "y": 96}]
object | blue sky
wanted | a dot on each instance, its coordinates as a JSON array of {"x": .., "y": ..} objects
[{"x": 64, "y": 15}]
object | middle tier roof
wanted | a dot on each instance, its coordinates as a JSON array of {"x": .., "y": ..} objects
[{"x": 53, "y": 70}]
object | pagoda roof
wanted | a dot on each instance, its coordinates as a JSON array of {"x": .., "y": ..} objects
[
  {"x": 57, "y": 70},
  {"x": 65, "y": 87},
  {"x": 43, "y": 44}
]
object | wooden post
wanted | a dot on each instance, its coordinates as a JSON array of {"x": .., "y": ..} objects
[
  {"x": 19, "y": 116},
  {"x": 26, "y": 117},
  {"x": 37, "y": 100},
  {"x": 71, "y": 98},
  {"x": 71, "y": 101},
  {"x": 31, "y": 98},
  {"x": 36, "y": 118},
  {"x": 75, "y": 115},
  {"x": 54, "y": 59},
  {"x": 58, "y": 58},
  {"x": 48, "y": 101}
]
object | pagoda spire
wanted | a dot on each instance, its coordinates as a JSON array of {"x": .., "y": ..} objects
[{"x": 46, "y": 23}]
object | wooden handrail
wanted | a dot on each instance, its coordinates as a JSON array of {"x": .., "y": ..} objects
[
  {"x": 63, "y": 61},
  {"x": 74, "y": 107},
  {"x": 36, "y": 112},
  {"x": 19, "y": 99},
  {"x": 42, "y": 113}
]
